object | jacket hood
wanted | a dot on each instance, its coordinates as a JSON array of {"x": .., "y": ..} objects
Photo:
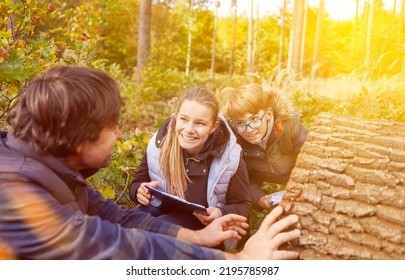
[{"x": 215, "y": 144}]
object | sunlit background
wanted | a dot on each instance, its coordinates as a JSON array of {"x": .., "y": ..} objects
[
  {"x": 339, "y": 61},
  {"x": 336, "y": 9}
]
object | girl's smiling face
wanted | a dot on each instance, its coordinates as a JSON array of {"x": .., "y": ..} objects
[{"x": 194, "y": 124}]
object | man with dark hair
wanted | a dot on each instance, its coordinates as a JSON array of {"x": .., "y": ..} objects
[{"x": 64, "y": 128}]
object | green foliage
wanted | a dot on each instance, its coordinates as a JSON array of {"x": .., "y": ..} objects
[
  {"x": 114, "y": 181},
  {"x": 118, "y": 33},
  {"x": 203, "y": 32},
  {"x": 162, "y": 83},
  {"x": 224, "y": 38},
  {"x": 267, "y": 53},
  {"x": 29, "y": 45}
]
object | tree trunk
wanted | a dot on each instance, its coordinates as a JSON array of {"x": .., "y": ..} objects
[
  {"x": 250, "y": 40},
  {"x": 356, "y": 19},
  {"x": 214, "y": 40},
  {"x": 315, "y": 65},
  {"x": 400, "y": 32},
  {"x": 235, "y": 18},
  {"x": 190, "y": 38},
  {"x": 401, "y": 24},
  {"x": 348, "y": 189},
  {"x": 145, "y": 12},
  {"x": 296, "y": 39},
  {"x": 370, "y": 20},
  {"x": 282, "y": 28},
  {"x": 254, "y": 41},
  {"x": 304, "y": 28}
]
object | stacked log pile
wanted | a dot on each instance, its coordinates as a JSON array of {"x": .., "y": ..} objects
[{"x": 348, "y": 189}]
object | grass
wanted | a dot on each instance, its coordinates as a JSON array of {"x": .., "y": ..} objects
[{"x": 381, "y": 99}]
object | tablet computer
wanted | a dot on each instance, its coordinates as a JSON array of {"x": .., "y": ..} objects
[{"x": 172, "y": 203}]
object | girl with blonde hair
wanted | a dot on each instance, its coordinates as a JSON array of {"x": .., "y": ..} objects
[
  {"x": 194, "y": 156},
  {"x": 271, "y": 136}
]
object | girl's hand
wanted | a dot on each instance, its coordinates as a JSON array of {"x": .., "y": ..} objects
[
  {"x": 142, "y": 195},
  {"x": 213, "y": 213}
]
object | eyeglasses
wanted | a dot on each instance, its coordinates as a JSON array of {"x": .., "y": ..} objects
[{"x": 253, "y": 124}]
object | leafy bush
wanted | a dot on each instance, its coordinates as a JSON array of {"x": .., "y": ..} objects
[
  {"x": 114, "y": 181},
  {"x": 27, "y": 50}
]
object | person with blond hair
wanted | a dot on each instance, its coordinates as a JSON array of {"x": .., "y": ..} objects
[
  {"x": 194, "y": 156},
  {"x": 271, "y": 136}
]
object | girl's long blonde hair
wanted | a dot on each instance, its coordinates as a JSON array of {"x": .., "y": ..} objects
[{"x": 171, "y": 159}]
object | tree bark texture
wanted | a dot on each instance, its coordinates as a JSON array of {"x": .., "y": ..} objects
[{"x": 348, "y": 189}]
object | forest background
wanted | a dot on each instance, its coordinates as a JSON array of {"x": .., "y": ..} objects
[{"x": 157, "y": 49}]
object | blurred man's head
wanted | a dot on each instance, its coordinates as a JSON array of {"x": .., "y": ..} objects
[{"x": 65, "y": 107}]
